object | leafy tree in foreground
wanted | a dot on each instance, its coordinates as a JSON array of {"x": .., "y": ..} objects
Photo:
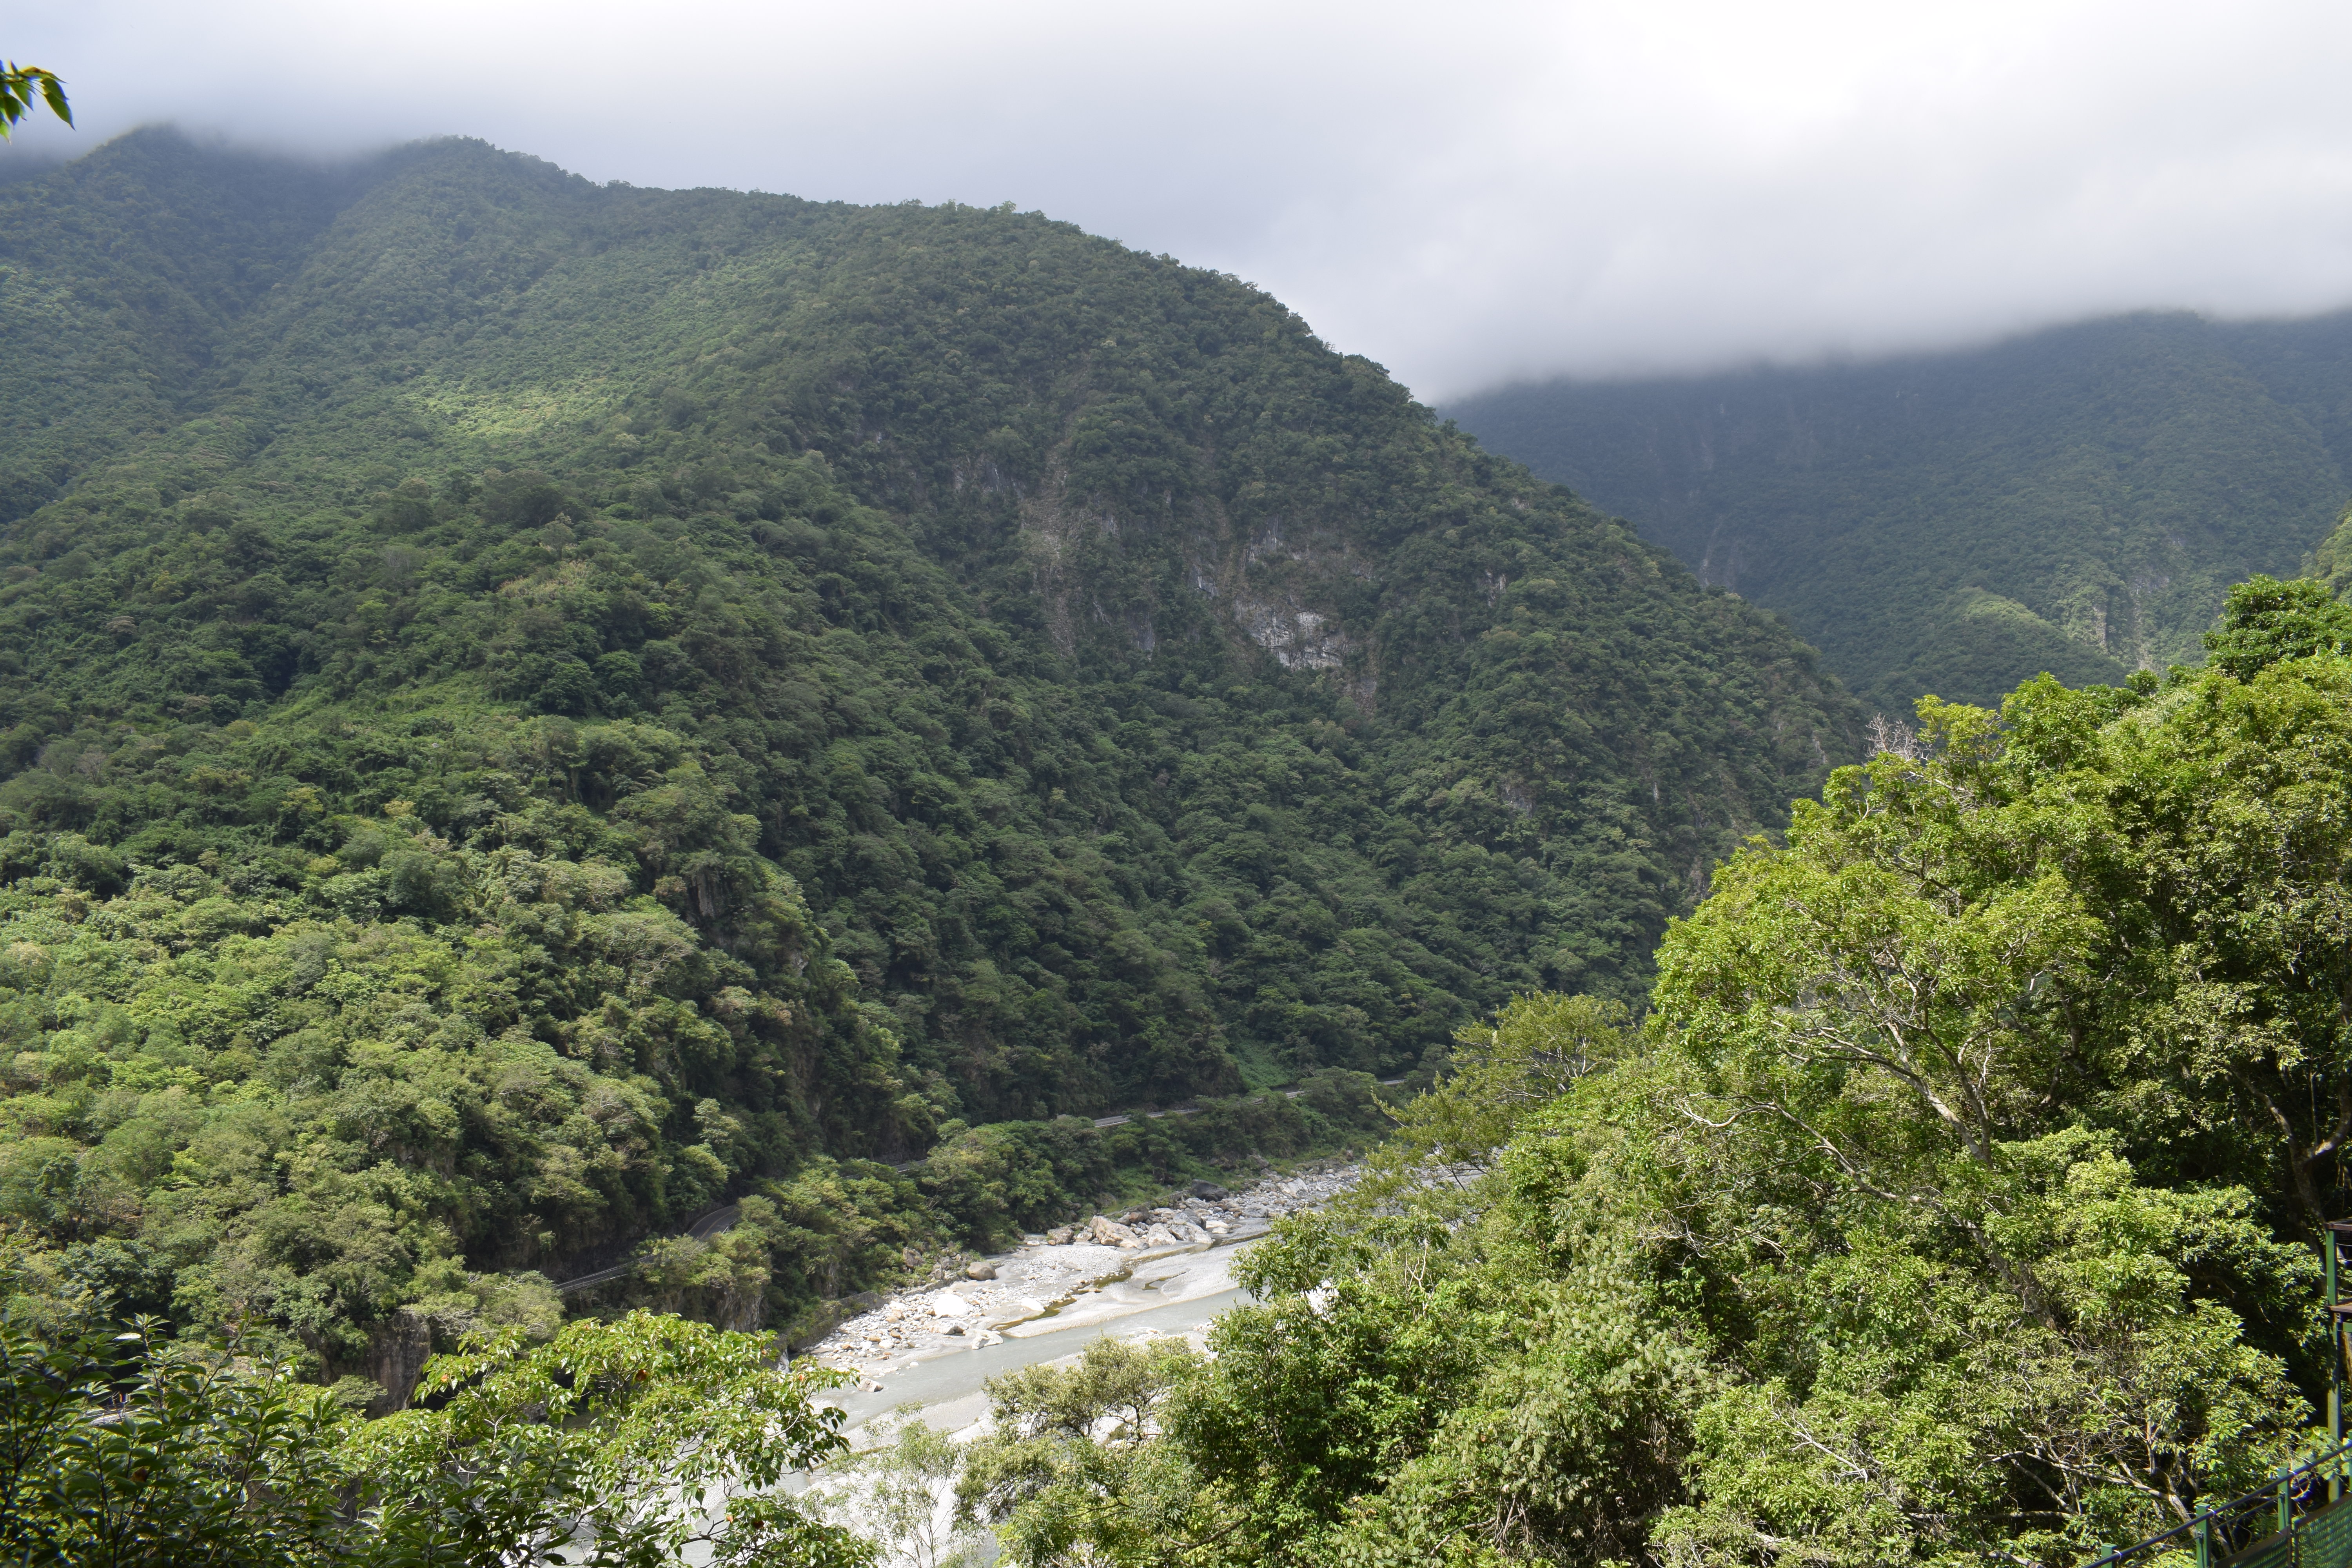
[
  {"x": 1954, "y": 1202},
  {"x": 21, "y": 87},
  {"x": 630, "y": 1442},
  {"x": 2267, "y": 620},
  {"x": 1068, "y": 1471},
  {"x": 900, "y": 1495},
  {"x": 647, "y": 1436},
  {"x": 123, "y": 1453}
]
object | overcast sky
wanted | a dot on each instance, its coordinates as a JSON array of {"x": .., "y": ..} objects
[{"x": 1467, "y": 193}]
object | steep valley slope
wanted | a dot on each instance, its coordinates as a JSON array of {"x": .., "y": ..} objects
[
  {"x": 529, "y": 709},
  {"x": 2077, "y": 500}
]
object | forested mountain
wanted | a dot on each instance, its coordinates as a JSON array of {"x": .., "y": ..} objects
[
  {"x": 527, "y": 707},
  {"x": 2074, "y": 501}
]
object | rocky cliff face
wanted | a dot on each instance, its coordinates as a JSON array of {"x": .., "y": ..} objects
[
  {"x": 1121, "y": 573},
  {"x": 398, "y": 1348}
]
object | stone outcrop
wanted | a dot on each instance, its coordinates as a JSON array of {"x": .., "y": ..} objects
[{"x": 396, "y": 1351}]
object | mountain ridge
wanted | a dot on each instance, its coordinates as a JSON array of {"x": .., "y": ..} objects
[
  {"x": 2076, "y": 499},
  {"x": 581, "y": 700}
]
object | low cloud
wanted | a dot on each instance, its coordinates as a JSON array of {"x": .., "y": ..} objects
[{"x": 1466, "y": 194}]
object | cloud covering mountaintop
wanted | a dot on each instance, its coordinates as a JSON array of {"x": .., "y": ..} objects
[{"x": 1466, "y": 195}]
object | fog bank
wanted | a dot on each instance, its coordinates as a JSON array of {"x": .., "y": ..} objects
[{"x": 1469, "y": 194}]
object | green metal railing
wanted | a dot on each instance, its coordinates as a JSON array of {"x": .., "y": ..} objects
[{"x": 2302, "y": 1519}]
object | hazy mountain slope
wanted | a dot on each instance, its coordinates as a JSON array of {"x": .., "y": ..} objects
[
  {"x": 2305, "y": 363},
  {"x": 724, "y": 684},
  {"x": 2076, "y": 501},
  {"x": 121, "y": 280}
]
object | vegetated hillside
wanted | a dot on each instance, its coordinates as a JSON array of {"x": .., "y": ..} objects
[
  {"x": 1959, "y": 1201},
  {"x": 527, "y": 707},
  {"x": 2331, "y": 562},
  {"x": 2076, "y": 501}
]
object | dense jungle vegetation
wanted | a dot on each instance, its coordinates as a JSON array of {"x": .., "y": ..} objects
[
  {"x": 529, "y": 709},
  {"x": 1954, "y": 1203},
  {"x": 2077, "y": 500}
]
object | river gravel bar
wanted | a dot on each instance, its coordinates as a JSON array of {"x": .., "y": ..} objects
[{"x": 1077, "y": 1276}]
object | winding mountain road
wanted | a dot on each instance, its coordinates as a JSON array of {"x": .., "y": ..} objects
[{"x": 703, "y": 1228}]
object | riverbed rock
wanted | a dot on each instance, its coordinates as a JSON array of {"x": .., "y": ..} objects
[
  {"x": 980, "y": 1269},
  {"x": 1211, "y": 1191},
  {"x": 1108, "y": 1232},
  {"x": 863, "y": 1326}
]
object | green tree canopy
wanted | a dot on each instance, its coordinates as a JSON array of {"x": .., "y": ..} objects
[
  {"x": 1954, "y": 1202},
  {"x": 2266, "y": 620},
  {"x": 645, "y": 1440}
]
